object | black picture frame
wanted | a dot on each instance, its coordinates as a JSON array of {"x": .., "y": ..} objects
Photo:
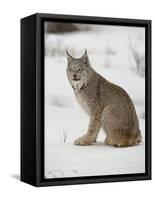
[{"x": 32, "y": 99}]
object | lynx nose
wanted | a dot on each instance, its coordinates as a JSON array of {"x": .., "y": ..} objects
[{"x": 74, "y": 76}]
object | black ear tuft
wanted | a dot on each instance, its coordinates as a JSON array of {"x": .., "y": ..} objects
[
  {"x": 69, "y": 57},
  {"x": 85, "y": 57},
  {"x": 67, "y": 52}
]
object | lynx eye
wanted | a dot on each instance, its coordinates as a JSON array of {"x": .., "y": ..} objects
[{"x": 80, "y": 70}]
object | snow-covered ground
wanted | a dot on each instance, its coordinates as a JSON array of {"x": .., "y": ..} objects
[{"x": 109, "y": 50}]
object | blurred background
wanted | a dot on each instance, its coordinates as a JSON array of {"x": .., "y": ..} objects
[{"x": 118, "y": 54}]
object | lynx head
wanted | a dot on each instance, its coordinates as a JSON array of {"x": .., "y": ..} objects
[{"x": 78, "y": 70}]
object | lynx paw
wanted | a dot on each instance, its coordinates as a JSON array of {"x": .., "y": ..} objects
[{"x": 84, "y": 140}]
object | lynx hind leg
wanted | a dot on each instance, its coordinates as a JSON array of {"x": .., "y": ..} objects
[
  {"x": 123, "y": 140},
  {"x": 117, "y": 134}
]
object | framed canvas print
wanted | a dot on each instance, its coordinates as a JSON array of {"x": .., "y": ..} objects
[{"x": 85, "y": 99}]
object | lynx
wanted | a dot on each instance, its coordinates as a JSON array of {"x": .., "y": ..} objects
[{"x": 108, "y": 105}]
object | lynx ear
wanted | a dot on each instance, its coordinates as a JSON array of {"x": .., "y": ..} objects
[
  {"x": 85, "y": 57},
  {"x": 69, "y": 57}
]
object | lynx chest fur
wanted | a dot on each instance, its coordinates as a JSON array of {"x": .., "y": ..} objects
[{"x": 82, "y": 100}]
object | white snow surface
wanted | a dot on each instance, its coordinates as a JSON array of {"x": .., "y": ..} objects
[{"x": 109, "y": 54}]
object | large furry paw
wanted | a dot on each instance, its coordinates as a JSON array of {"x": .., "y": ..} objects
[
  {"x": 84, "y": 140},
  {"x": 122, "y": 143},
  {"x": 115, "y": 143}
]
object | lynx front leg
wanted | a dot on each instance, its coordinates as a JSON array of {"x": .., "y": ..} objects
[{"x": 93, "y": 130}]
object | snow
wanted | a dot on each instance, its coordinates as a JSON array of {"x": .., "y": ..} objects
[{"x": 110, "y": 54}]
